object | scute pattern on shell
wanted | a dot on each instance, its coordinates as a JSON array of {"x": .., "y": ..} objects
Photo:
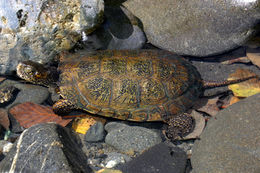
[{"x": 144, "y": 85}]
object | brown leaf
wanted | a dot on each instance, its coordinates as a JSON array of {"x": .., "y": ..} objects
[
  {"x": 199, "y": 125},
  {"x": 29, "y": 114},
  {"x": 254, "y": 56},
  {"x": 208, "y": 106},
  {"x": 4, "y": 120},
  {"x": 236, "y": 60}
]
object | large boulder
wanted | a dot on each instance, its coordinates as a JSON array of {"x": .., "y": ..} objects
[
  {"x": 231, "y": 140},
  {"x": 196, "y": 27},
  {"x": 46, "y": 148},
  {"x": 161, "y": 158},
  {"x": 38, "y": 30}
]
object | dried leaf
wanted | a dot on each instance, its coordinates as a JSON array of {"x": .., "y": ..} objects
[
  {"x": 253, "y": 55},
  {"x": 234, "y": 100},
  {"x": 208, "y": 106},
  {"x": 29, "y": 114},
  {"x": 236, "y": 60},
  {"x": 4, "y": 120},
  {"x": 199, "y": 126},
  {"x": 81, "y": 125},
  {"x": 230, "y": 101},
  {"x": 247, "y": 88},
  {"x": 107, "y": 170}
]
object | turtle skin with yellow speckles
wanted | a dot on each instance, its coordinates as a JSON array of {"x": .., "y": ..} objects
[{"x": 135, "y": 85}]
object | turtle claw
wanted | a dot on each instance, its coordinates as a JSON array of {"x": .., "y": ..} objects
[{"x": 7, "y": 94}]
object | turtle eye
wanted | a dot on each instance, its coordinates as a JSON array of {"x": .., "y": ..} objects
[{"x": 37, "y": 74}]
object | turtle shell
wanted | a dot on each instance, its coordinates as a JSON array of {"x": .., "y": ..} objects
[{"x": 136, "y": 85}]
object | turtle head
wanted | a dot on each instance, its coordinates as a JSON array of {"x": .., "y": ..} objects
[{"x": 33, "y": 72}]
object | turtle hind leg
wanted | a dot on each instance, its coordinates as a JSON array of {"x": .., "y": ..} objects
[
  {"x": 179, "y": 126},
  {"x": 63, "y": 106}
]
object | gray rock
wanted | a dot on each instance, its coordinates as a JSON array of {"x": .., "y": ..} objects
[
  {"x": 46, "y": 148},
  {"x": 31, "y": 93},
  {"x": 196, "y": 27},
  {"x": 114, "y": 126},
  {"x": 160, "y": 158},
  {"x": 96, "y": 133},
  {"x": 132, "y": 138},
  {"x": 230, "y": 141},
  {"x": 39, "y": 30}
]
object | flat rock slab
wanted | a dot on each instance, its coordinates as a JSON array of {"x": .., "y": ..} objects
[
  {"x": 161, "y": 158},
  {"x": 231, "y": 141},
  {"x": 46, "y": 148},
  {"x": 196, "y": 27}
]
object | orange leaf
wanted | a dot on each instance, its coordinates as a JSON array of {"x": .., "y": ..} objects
[
  {"x": 234, "y": 100},
  {"x": 231, "y": 101},
  {"x": 4, "y": 120},
  {"x": 29, "y": 114}
]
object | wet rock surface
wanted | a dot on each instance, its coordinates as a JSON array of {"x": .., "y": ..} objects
[
  {"x": 39, "y": 30},
  {"x": 131, "y": 138},
  {"x": 230, "y": 142},
  {"x": 46, "y": 148},
  {"x": 197, "y": 28},
  {"x": 161, "y": 158}
]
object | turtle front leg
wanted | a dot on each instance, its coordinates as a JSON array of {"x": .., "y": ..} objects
[
  {"x": 179, "y": 126},
  {"x": 63, "y": 106}
]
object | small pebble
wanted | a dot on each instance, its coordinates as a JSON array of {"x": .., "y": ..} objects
[
  {"x": 95, "y": 133},
  {"x": 5, "y": 146},
  {"x": 113, "y": 159}
]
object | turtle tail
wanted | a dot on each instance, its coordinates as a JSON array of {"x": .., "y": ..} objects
[{"x": 213, "y": 84}]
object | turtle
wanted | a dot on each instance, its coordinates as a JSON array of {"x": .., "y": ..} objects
[{"x": 134, "y": 85}]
